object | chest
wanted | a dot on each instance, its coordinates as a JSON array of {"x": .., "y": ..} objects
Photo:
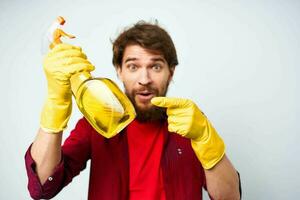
[{"x": 183, "y": 175}]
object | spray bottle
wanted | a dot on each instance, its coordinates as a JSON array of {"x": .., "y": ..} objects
[{"x": 100, "y": 100}]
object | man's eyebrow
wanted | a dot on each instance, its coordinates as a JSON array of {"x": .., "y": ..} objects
[
  {"x": 130, "y": 59},
  {"x": 152, "y": 59},
  {"x": 159, "y": 59}
]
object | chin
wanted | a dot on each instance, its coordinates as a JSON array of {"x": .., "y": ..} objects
[{"x": 144, "y": 107}]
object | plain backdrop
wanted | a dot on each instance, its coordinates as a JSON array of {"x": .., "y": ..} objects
[{"x": 239, "y": 61}]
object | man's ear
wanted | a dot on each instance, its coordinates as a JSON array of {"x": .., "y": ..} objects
[
  {"x": 119, "y": 70},
  {"x": 172, "y": 70}
]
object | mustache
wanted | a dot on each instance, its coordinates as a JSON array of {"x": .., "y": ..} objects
[{"x": 146, "y": 89}]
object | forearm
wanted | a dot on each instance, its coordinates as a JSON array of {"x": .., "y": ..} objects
[
  {"x": 46, "y": 152},
  {"x": 222, "y": 180}
]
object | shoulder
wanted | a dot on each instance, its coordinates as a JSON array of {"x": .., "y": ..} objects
[
  {"x": 83, "y": 124},
  {"x": 84, "y": 127}
]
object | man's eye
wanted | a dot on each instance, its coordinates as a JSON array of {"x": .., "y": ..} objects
[
  {"x": 156, "y": 67},
  {"x": 132, "y": 67}
]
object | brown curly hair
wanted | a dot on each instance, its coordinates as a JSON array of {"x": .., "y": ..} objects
[{"x": 147, "y": 35}]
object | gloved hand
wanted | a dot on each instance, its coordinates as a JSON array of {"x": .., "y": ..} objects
[
  {"x": 60, "y": 64},
  {"x": 185, "y": 118}
]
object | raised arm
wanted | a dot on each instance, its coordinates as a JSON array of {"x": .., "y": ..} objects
[{"x": 46, "y": 152}]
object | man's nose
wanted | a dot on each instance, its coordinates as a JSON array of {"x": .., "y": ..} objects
[{"x": 145, "y": 77}]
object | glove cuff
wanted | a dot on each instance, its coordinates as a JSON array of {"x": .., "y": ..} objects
[
  {"x": 54, "y": 117},
  {"x": 210, "y": 149}
]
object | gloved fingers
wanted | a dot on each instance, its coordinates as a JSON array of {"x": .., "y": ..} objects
[
  {"x": 61, "y": 49},
  {"x": 67, "y": 65},
  {"x": 170, "y": 102},
  {"x": 180, "y": 122},
  {"x": 71, "y": 53},
  {"x": 180, "y": 112},
  {"x": 63, "y": 58},
  {"x": 80, "y": 67},
  {"x": 164, "y": 102},
  {"x": 176, "y": 129},
  {"x": 64, "y": 47},
  {"x": 172, "y": 121},
  {"x": 172, "y": 129},
  {"x": 70, "y": 62},
  {"x": 173, "y": 111}
]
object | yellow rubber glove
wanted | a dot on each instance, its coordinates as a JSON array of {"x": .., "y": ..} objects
[
  {"x": 60, "y": 64},
  {"x": 186, "y": 119}
]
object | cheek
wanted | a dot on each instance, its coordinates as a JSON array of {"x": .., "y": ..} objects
[
  {"x": 128, "y": 84},
  {"x": 162, "y": 84}
]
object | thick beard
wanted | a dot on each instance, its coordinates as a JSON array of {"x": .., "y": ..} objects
[{"x": 152, "y": 114}]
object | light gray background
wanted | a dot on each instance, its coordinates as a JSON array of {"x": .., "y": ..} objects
[{"x": 238, "y": 61}]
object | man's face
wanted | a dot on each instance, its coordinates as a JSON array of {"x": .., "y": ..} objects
[{"x": 145, "y": 74}]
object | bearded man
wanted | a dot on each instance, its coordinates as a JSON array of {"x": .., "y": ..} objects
[{"x": 169, "y": 151}]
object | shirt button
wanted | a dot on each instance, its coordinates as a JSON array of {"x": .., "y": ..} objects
[
  {"x": 50, "y": 178},
  {"x": 179, "y": 151}
]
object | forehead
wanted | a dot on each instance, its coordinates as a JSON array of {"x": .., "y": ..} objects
[{"x": 136, "y": 52}]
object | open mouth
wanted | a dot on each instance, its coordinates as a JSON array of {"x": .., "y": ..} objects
[{"x": 144, "y": 96}]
